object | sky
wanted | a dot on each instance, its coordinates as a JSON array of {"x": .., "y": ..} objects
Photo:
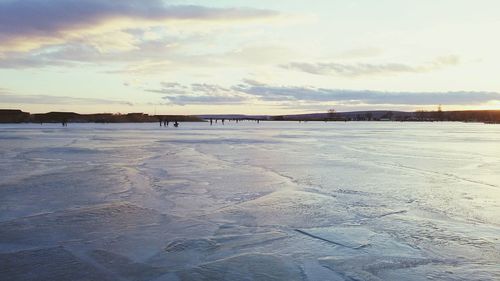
[{"x": 248, "y": 56}]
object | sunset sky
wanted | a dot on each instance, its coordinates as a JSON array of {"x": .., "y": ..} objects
[{"x": 254, "y": 57}]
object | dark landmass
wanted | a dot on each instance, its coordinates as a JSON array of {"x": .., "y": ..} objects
[
  {"x": 18, "y": 116},
  {"x": 485, "y": 116}
]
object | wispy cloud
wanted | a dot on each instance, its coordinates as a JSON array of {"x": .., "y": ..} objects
[
  {"x": 75, "y": 53},
  {"x": 313, "y": 94},
  {"x": 299, "y": 96},
  {"x": 9, "y": 98},
  {"x": 363, "y": 69},
  {"x": 198, "y": 93}
]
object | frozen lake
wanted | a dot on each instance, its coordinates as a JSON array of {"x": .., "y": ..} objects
[{"x": 247, "y": 201}]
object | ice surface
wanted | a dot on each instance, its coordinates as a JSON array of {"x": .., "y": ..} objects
[
  {"x": 249, "y": 266},
  {"x": 48, "y": 264},
  {"x": 248, "y": 201}
]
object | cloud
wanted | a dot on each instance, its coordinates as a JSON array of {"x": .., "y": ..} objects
[
  {"x": 150, "y": 58},
  {"x": 76, "y": 53},
  {"x": 29, "y": 24},
  {"x": 198, "y": 93},
  {"x": 250, "y": 91},
  {"x": 311, "y": 94},
  {"x": 146, "y": 36},
  {"x": 147, "y": 57},
  {"x": 8, "y": 98},
  {"x": 364, "y": 69}
]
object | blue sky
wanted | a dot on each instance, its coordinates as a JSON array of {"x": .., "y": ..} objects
[{"x": 193, "y": 57}]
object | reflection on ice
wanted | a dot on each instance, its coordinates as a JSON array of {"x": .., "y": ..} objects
[{"x": 274, "y": 201}]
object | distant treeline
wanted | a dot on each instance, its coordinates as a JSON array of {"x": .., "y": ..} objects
[
  {"x": 485, "y": 116},
  {"x": 18, "y": 116}
]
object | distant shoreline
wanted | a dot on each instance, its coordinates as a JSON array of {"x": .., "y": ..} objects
[{"x": 480, "y": 116}]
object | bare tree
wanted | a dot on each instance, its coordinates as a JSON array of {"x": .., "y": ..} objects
[
  {"x": 331, "y": 113},
  {"x": 440, "y": 113}
]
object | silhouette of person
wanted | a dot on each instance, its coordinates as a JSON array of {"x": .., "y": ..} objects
[{"x": 176, "y": 124}]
